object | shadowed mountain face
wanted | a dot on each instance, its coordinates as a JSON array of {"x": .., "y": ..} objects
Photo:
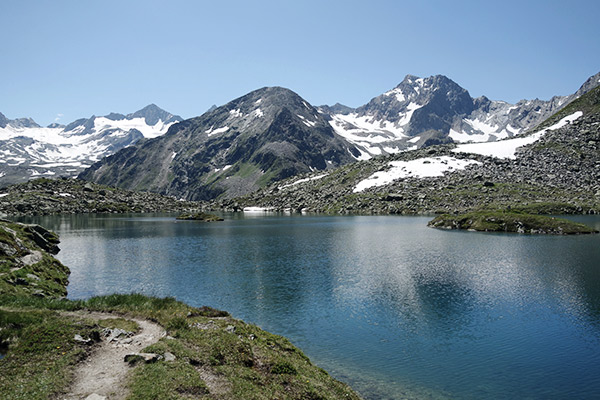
[{"x": 262, "y": 137}]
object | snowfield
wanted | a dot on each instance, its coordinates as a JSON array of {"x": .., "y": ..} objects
[
  {"x": 507, "y": 148},
  {"x": 419, "y": 168},
  {"x": 55, "y": 147}
]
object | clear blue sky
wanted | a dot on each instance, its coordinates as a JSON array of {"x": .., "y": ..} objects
[{"x": 72, "y": 59}]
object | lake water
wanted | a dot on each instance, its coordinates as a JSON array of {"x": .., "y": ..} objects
[{"x": 393, "y": 308}]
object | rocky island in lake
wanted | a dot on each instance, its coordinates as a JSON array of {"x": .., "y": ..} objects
[{"x": 499, "y": 221}]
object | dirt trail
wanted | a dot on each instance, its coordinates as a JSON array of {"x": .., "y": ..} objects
[{"x": 103, "y": 374}]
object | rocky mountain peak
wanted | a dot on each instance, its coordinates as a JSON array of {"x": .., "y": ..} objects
[
  {"x": 3, "y": 121},
  {"x": 152, "y": 114},
  {"x": 591, "y": 83},
  {"x": 24, "y": 123},
  {"x": 264, "y": 136}
]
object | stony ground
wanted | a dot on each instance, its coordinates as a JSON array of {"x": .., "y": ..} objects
[{"x": 103, "y": 375}]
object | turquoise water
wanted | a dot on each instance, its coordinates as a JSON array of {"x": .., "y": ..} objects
[{"x": 393, "y": 308}]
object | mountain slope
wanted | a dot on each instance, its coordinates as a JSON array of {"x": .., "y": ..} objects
[
  {"x": 420, "y": 112},
  {"x": 262, "y": 137},
  {"x": 29, "y": 150},
  {"x": 553, "y": 170}
]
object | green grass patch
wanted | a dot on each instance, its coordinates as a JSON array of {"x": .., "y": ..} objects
[
  {"x": 41, "y": 353},
  {"x": 119, "y": 323},
  {"x": 162, "y": 380}
]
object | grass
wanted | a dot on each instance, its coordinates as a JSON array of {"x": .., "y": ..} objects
[
  {"x": 217, "y": 356},
  {"x": 41, "y": 353}
]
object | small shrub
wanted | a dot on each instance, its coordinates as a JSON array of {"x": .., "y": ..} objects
[
  {"x": 177, "y": 323},
  {"x": 284, "y": 367}
]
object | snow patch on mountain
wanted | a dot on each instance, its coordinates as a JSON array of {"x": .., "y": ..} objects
[
  {"x": 299, "y": 181},
  {"x": 121, "y": 127},
  {"x": 419, "y": 168},
  {"x": 212, "y": 132},
  {"x": 508, "y": 148}
]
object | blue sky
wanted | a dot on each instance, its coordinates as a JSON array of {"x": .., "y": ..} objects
[{"x": 63, "y": 60}]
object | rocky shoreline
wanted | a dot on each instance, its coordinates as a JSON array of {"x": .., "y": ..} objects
[{"x": 74, "y": 196}]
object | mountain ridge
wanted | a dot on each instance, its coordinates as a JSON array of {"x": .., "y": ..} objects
[
  {"x": 420, "y": 112},
  {"x": 416, "y": 113},
  {"x": 31, "y": 151}
]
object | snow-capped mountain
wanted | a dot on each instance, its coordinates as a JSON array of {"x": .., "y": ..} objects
[
  {"x": 423, "y": 111},
  {"x": 262, "y": 137},
  {"x": 28, "y": 150}
]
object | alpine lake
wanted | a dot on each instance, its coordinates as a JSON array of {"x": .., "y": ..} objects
[{"x": 384, "y": 303}]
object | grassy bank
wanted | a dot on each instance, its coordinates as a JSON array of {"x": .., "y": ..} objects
[
  {"x": 216, "y": 356},
  {"x": 45, "y": 338}
]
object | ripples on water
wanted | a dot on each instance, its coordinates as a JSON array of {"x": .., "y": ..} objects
[{"x": 394, "y": 308}]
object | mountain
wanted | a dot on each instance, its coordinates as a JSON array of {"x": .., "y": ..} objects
[
  {"x": 420, "y": 112},
  {"x": 553, "y": 169},
  {"x": 30, "y": 150},
  {"x": 262, "y": 137}
]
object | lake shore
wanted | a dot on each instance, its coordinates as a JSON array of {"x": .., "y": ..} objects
[{"x": 203, "y": 352}]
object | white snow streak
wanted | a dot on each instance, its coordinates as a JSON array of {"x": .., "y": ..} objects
[
  {"x": 314, "y": 178},
  {"x": 396, "y": 92},
  {"x": 236, "y": 113},
  {"x": 125, "y": 125},
  {"x": 257, "y": 209},
  {"x": 212, "y": 131}
]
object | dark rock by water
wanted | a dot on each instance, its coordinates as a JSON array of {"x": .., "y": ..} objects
[{"x": 200, "y": 217}]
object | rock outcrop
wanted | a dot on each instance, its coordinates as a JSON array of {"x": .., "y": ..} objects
[{"x": 26, "y": 264}]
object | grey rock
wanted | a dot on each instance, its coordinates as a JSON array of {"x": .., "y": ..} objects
[
  {"x": 147, "y": 358},
  {"x": 78, "y": 338},
  {"x": 95, "y": 396}
]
